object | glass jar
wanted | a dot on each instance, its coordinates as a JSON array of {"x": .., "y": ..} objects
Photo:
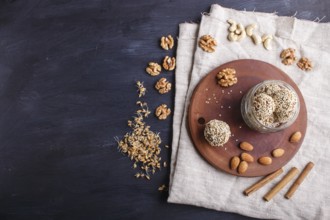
[{"x": 270, "y": 106}]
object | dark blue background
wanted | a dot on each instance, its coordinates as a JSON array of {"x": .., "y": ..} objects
[{"x": 67, "y": 87}]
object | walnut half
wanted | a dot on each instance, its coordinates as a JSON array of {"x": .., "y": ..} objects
[
  {"x": 305, "y": 64},
  {"x": 169, "y": 63},
  {"x": 288, "y": 57},
  {"x": 227, "y": 77},
  {"x": 207, "y": 43},
  {"x": 167, "y": 42},
  {"x": 163, "y": 86},
  {"x": 162, "y": 112},
  {"x": 154, "y": 69}
]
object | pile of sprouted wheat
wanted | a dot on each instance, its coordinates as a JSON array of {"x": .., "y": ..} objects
[{"x": 141, "y": 145}]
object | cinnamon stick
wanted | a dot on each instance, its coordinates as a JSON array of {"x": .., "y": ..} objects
[
  {"x": 285, "y": 180},
  {"x": 262, "y": 182},
  {"x": 299, "y": 180}
]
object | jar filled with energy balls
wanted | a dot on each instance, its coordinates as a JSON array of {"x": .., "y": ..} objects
[{"x": 270, "y": 106}]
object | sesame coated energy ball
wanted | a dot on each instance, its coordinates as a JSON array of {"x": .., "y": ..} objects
[
  {"x": 274, "y": 105},
  {"x": 285, "y": 101},
  {"x": 217, "y": 132},
  {"x": 264, "y": 105}
]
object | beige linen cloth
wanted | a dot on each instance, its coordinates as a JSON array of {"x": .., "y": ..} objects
[{"x": 195, "y": 182}]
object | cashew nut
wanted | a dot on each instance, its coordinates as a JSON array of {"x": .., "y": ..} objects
[
  {"x": 232, "y": 26},
  {"x": 268, "y": 44},
  {"x": 232, "y": 36},
  {"x": 237, "y": 31},
  {"x": 266, "y": 36},
  {"x": 230, "y": 21},
  {"x": 256, "y": 39},
  {"x": 250, "y": 28},
  {"x": 242, "y": 35}
]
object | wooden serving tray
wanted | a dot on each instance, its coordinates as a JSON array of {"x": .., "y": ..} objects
[{"x": 211, "y": 101}]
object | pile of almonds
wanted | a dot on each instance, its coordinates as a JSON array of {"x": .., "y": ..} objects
[{"x": 241, "y": 163}]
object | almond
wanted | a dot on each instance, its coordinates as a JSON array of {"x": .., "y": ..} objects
[
  {"x": 234, "y": 162},
  {"x": 278, "y": 152},
  {"x": 247, "y": 157},
  {"x": 242, "y": 167},
  {"x": 246, "y": 146},
  {"x": 295, "y": 137},
  {"x": 265, "y": 160}
]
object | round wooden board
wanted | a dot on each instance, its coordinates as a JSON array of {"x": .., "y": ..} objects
[{"x": 211, "y": 101}]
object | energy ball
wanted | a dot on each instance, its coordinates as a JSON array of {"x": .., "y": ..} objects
[
  {"x": 285, "y": 101},
  {"x": 217, "y": 132},
  {"x": 264, "y": 105}
]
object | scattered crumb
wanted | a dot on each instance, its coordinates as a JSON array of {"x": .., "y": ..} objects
[
  {"x": 162, "y": 188},
  {"x": 166, "y": 146},
  {"x": 141, "y": 89}
]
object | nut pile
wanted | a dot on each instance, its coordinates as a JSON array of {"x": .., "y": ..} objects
[
  {"x": 227, "y": 77},
  {"x": 237, "y": 32},
  {"x": 207, "y": 43},
  {"x": 241, "y": 163},
  {"x": 288, "y": 58},
  {"x": 142, "y": 145}
]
